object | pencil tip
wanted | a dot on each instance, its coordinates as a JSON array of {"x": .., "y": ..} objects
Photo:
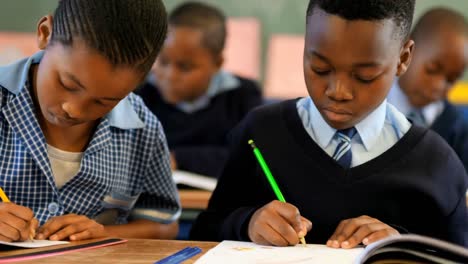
[{"x": 302, "y": 239}]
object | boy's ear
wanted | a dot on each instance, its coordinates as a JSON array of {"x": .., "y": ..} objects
[
  {"x": 44, "y": 31},
  {"x": 406, "y": 54}
]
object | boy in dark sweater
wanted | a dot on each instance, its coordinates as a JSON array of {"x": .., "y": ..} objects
[
  {"x": 439, "y": 61},
  {"x": 345, "y": 160},
  {"x": 196, "y": 101}
]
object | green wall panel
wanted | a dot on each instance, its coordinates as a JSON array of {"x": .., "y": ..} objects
[{"x": 276, "y": 16}]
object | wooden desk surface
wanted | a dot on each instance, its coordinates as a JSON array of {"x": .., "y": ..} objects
[
  {"x": 194, "y": 199},
  {"x": 132, "y": 252}
]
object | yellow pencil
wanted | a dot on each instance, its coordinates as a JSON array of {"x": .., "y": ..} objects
[
  {"x": 5, "y": 199},
  {"x": 3, "y": 196}
]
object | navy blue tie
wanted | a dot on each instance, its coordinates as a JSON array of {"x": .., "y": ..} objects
[{"x": 343, "y": 155}]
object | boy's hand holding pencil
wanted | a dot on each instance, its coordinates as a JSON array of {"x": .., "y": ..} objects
[
  {"x": 17, "y": 223},
  {"x": 277, "y": 223}
]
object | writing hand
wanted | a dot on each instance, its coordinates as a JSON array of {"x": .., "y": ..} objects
[
  {"x": 278, "y": 223},
  {"x": 16, "y": 222}
]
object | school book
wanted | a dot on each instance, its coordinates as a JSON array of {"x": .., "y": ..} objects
[
  {"x": 413, "y": 249},
  {"x": 194, "y": 180},
  {"x": 235, "y": 252},
  {"x": 410, "y": 249},
  {"x": 28, "y": 254},
  {"x": 33, "y": 243}
]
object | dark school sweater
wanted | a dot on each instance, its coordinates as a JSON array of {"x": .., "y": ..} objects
[{"x": 417, "y": 185}]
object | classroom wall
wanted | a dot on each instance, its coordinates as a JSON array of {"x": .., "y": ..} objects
[{"x": 276, "y": 16}]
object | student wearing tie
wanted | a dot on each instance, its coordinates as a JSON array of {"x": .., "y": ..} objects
[
  {"x": 439, "y": 61},
  {"x": 351, "y": 167}
]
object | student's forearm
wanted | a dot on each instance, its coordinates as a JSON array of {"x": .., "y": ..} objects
[{"x": 142, "y": 228}]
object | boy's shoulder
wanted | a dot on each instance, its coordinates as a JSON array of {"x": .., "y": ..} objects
[
  {"x": 455, "y": 113},
  {"x": 243, "y": 88},
  {"x": 246, "y": 83},
  {"x": 274, "y": 108},
  {"x": 453, "y": 119},
  {"x": 431, "y": 150},
  {"x": 272, "y": 113}
]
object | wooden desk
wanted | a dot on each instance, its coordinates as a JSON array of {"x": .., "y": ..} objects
[
  {"x": 133, "y": 252},
  {"x": 194, "y": 199}
]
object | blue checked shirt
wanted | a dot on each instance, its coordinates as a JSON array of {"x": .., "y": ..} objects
[{"x": 125, "y": 169}]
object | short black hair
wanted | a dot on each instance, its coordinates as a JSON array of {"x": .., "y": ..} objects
[
  {"x": 208, "y": 19},
  {"x": 400, "y": 11},
  {"x": 439, "y": 19},
  {"x": 126, "y": 32}
]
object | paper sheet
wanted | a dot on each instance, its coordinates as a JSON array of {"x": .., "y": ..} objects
[
  {"x": 230, "y": 252},
  {"x": 34, "y": 243},
  {"x": 194, "y": 180}
]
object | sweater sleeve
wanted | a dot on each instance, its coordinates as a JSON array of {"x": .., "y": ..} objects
[
  {"x": 236, "y": 196},
  {"x": 458, "y": 223},
  {"x": 457, "y": 219},
  {"x": 449, "y": 184}
]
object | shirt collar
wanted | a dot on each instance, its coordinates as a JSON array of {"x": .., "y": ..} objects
[
  {"x": 369, "y": 128},
  {"x": 399, "y": 99},
  {"x": 322, "y": 131},
  {"x": 432, "y": 111},
  {"x": 13, "y": 77},
  {"x": 123, "y": 116},
  {"x": 221, "y": 82}
]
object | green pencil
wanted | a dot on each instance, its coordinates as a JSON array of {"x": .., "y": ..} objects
[{"x": 269, "y": 176}]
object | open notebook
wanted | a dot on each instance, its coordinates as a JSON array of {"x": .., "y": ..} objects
[
  {"x": 398, "y": 249},
  {"x": 194, "y": 180},
  {"x": 28, "y": 254},
  {"x": 33, "y": 243},
  {"x": 234, "y": 252}
]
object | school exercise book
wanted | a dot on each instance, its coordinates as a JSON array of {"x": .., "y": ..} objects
[
  {"x": 26, "y": 254},
  {"x": 194, "y": 180},
  {"x": 408, "y": 249},
  {"x": 413, "y": 249},
  {"x": 33, "y": 243}
]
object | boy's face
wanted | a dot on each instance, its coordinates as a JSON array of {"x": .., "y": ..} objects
[
  {"x": 349, "y": 66},
  {"x": 438, "y": 63},
  {"x": 75, "y": 85},
  {"x": 185, "y": 67}
]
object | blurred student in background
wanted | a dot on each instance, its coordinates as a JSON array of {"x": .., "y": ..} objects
[
  {"x": 440, "y": 58},
  {"x": 196, "y": 101}
]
